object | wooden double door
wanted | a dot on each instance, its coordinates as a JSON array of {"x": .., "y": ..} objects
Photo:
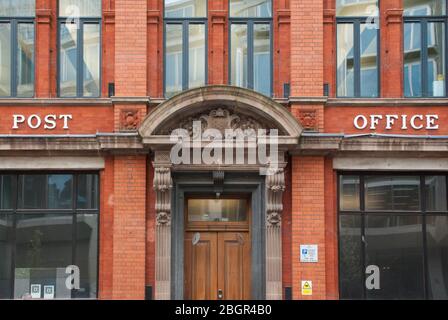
[{"x": 217, "y": 265}]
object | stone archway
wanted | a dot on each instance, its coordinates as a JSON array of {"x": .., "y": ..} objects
[{"x": 218, "y": 107}]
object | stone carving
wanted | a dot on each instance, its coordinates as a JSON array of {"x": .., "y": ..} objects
[
  {"x": 308, "y": 119},
  {"x": 219, "y": 119},
  {"x": 163, "y": 185},
  {"x": 129, "y": 120},
  {"x": 275, "y": 184}
]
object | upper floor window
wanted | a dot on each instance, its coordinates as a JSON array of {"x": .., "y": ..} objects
[
  {"x": 79, "y": 48},
  {"x": 424, "y": 46},
  {"x": 357, "y": 48},
  {"x": 251, "y": 44},
  {"x": 185, "y": 45},
  {"x": 17, "y": 48}
]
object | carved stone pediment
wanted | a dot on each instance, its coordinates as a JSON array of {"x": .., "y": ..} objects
[{"x": 219, "y": 119}]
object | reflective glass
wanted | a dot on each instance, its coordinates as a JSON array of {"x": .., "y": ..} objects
[
  {"x": 239, "y": 72},
  {"x": 17, "y": 8},
  {"x": 435, "y": 191},
  {"x": 173, "y": 56},
  {"x": 196, "y": 55},
  {"x": 91, "y": 54},
  {"x": 262, "y": 58},
  {"x": 436, "y": 59},
  {"x": 357, "y": 8},
  {"x": 185, "y": 8},
  {"x": 5, "y": 59},
  {"x": 80, "y": 8},
  {"x": 60, "y": 191},
  {"x": 87, "y": 191},
  {"x": 349, "y": 193},
  {"x": 251, "y": 8},
  {"x": 369, "y": 61},
  {"x": 345, "y": 60},
  {"x": 412, "y": 60},
  {"x": 6, "y": 192},
  {"x": 437, "y": 253},
  {"x": 25, "y": 60},
  {"x": 6, "y": 243},
  {"x": 32, "y": 190},
  {"x": 424, "y": 7},
  {"x": 217, "y": 210},
  {"x": 68, "y": 61}
]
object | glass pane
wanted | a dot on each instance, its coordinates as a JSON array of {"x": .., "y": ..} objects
[
  {"x": 424, "y": 7},
  {"x": 43, "y": 251},
  {"x": 6, "y": 243},
  {"x": 395, "y": 245},
  {"x": 392, "y": 193},
  {"x": 262, "y": 58},
  {"x": 437, "y": 252},
  {"x": 173, "y": 77},
  {"x": 349, "y": 193},
  {"x": 87, "y": 254},
  {"x": 357, "y": 8},
  {"x": 80, "y": 8},
  {"x": 435, "y": 190},
  {"x": 350, "y": 255},
  {"x": 185, "y": 8},
  {"x": 87, "y": 191},
  {"x": 25, "y": 60},
  {"x": 6, "y": 192},
  {"x": 436, "y": 59},
  {"x": 17, "y": 8},
  {"x": 91, "y": 81},
  {"x": 412, "y": 60},
  {"x": 346, "y": 61},
  {"x": 369, "y": 61},
  {"x": 251, "y": 8},
  {"x": 60, "y": 191},
  {"x": 5, "y": 59},
  {"x": 68, "y": 60},
  {"x": 196, "y": 55},
  {"x": 239, "y": 70},
  {"x": 32, "y": 191},
  {"x": 217, "y": 210}
]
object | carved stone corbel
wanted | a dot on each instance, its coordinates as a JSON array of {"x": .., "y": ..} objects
[
  {"x": 163, "y": 185},
  {"x": 275, "y": 185}
]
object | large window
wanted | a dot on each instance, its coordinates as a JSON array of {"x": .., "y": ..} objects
[
  {"x": 79, "y": 48},
  {"x": 398, "y": 225},
  {"x": 425, "y": 48},
  {"x": 185, "y": 45},
  {"x": 251, "y": 45},
  {"x": 17, "y": 48},
  {"x": 48, "y": 222},
  {"x": 357, "y": 48}
]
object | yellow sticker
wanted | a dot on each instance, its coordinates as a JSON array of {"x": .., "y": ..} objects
[{"x": 307, "y": 288}]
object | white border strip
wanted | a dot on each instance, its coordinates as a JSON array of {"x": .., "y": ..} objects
[
  {"x": 51, "y": 163},
  {"x": 390, "y": 164}
]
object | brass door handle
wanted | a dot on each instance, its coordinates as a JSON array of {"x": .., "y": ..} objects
[{"x": 220, "y": 294}]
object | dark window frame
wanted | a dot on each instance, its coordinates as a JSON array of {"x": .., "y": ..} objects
[
  {"x": 362, "y": 213},
  {"x": 357, "y": 21},
  {"x": 423, "y": 22},
  {"x": 13, "y": 22},
  {"x": 250, "y": 22},
  {"x": 185, "y": 23},
  {"x": 79, "y": 54},
  {"x": 14, "y": 212}
]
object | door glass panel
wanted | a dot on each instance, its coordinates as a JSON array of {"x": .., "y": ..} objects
[
  {"x": 394, "y": 243},
  {"x": 437, "y": 253},
  {"x": 217, "y": 210}
]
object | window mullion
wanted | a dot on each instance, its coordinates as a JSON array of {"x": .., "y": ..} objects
[
  {"x": 185, "y": 54},
  {"x": 14, "y": 50},
  {"x": 357, "y": 57},
  {"x": 424, "y": 57},
  {"x": 250, "y": 54}
]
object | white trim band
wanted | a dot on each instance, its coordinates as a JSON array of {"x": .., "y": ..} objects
[
  {"x": 51, "y": 163},
  {"x": 390, "y": 164}
]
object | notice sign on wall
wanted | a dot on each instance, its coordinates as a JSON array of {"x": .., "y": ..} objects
[
  {"x": 307, "y": 288},
  {"x": 309, "y": 253}
]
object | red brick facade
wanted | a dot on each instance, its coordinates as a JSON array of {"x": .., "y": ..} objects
[{"x": 132, "y": 58}]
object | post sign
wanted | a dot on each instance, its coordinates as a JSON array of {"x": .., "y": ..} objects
[
  {"x": 47, "y": 122},
  {"x": 309, "y": 253}
]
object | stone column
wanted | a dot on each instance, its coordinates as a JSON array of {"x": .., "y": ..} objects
[
  {"x": 275, "y": 186},
  {"x": 162, "y": 186}
]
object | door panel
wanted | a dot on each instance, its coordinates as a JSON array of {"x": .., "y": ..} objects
[
  {"x": 201, "y": 266},
  {"x": 234, "y": 265}
]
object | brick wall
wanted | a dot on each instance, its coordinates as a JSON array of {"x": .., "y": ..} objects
[
  {"x": 129, "y": 231},
  {"x": 308, "y": 223}
]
